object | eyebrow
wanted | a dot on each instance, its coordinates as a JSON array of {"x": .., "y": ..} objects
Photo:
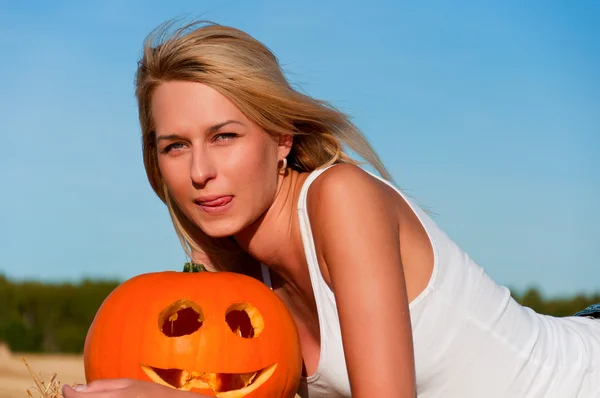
[{"x": 211, "y": 129}]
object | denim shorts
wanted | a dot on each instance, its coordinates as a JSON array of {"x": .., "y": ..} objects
[{"x": 593, "y": 311}]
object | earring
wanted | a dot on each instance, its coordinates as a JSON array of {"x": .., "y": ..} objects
[{"x": 283, "y": 167}]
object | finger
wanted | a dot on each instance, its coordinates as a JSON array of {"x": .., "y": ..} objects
[
  {"x": 101, "y": 385},
  {"x": 107, "y": 385},
  {"x": 69, "y": 392}
]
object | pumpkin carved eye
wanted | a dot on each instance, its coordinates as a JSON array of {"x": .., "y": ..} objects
[
  {"x": 180, "y": 318},
  {"x": 245, "y": 320}
]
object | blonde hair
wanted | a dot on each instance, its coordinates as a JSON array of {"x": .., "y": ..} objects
[{"x": 248, "y": 74}]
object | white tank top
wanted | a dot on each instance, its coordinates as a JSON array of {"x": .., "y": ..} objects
[{"x": 471, "y": 339}]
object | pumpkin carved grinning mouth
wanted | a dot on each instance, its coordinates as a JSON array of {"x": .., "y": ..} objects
[{"x": 225, "y": 385}]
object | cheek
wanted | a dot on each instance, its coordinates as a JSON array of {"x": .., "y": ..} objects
[
  {"x": 175, "y": 175},
  {"x": 257, "y": 173}
]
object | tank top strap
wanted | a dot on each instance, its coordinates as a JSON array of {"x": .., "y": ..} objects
[
  {"x": 310, "y": 251},
  {"x": 331, "y": 369}
]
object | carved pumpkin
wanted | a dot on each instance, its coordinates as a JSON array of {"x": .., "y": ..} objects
[{"x": 217, "y": 333}]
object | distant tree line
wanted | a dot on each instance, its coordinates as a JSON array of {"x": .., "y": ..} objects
[
  {"x": 55, "y": 317},
  {"x": 49, "y": 317},
  {"x": 558, "y": 306}
]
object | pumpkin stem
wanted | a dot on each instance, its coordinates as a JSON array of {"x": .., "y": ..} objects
[{"x": 193, "y": 267}]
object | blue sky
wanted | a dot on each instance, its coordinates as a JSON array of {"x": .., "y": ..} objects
[{"x": 487, "y": 115}]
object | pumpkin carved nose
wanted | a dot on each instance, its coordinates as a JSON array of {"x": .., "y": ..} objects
[{"x": 181, "y": 318}]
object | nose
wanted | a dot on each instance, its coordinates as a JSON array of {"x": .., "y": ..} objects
[{"x": 202, "y": 168}]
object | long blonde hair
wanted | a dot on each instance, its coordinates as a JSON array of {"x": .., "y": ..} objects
[{"x": 248, "y": 74}]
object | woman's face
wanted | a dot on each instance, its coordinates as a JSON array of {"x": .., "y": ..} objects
[{"x": 220, "y": 168}]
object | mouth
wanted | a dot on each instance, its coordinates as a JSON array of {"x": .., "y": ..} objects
[
  {"x": 215, "y": 205},
  {"x": 224, "y": 385}
]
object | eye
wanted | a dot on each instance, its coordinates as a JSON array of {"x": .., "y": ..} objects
[
  {"x": 221, "y": 137},
  {"x": 173, "y": 146},
  {"x": 245, "y": 320},
  {"x": 181, "y": 318}
]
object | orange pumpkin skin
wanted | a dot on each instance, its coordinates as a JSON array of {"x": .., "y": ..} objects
[{"x": 128, "y": 333}]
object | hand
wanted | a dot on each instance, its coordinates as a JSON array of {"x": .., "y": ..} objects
[{"x": 124, "y": 388}]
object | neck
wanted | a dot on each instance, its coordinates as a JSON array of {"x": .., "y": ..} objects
[{"x": 271, "y": 239}]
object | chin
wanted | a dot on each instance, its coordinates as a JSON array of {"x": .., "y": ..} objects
[{"x": 220, "y": 229}]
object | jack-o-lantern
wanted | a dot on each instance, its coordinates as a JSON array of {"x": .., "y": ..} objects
[{"x": 216, "y": 333}]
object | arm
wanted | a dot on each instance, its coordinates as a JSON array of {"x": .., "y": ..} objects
[{"x": 356, "y": 228}]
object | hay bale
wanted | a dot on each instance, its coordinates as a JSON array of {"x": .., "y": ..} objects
[{"x": 4, "y": 351}]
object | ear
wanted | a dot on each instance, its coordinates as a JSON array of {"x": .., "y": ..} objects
[{"x": 285, "y": 144}]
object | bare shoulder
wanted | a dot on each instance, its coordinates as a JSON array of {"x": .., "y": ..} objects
[
  {"x": 345, "y": 175},
  {"x": 348, "y": 189},
  {"x": 347, "y": 204}
]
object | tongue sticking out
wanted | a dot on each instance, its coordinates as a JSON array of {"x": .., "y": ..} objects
[{"x": 216, "y": 202}]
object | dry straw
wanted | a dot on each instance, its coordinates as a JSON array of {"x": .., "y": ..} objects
[{"x": 50, "y": 390}]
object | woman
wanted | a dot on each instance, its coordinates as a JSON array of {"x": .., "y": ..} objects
[{"x": 256, "y": 180}]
